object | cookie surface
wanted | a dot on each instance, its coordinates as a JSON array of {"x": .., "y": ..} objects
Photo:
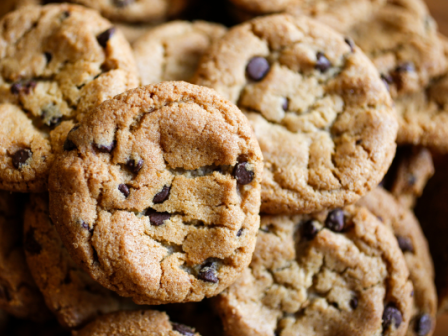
[
  {"x": 171, "y": 52},
  {"x": 141, "y": 322},
  {"x": 57, "y": 62},
  {"x": 19, "y": 295},
  {"x": 73, "y": 297},
  {"x": 414, "y": 246},
  {"x": 321, "y": 114},
  {"x": 158, "y": 193},
  {"x": 336, "y": 274}
]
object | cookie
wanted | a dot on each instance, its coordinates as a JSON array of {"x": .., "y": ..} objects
[
  {"x": 401, "y": 39},
  {"x": 336, "y": 273},
  {"x": 73, "y": 297},
  {"x": 132, "y": 32},
  {"x": 414, "y": 246},
  {"x": 171, "y": 52},
  {"x": 320, "y": 111},
  {"x": 141, "y": 322},
  {"x": 56, "y": 63},
  {"x": 157, "y": 195},
  {"x": 19, "y": 295}
]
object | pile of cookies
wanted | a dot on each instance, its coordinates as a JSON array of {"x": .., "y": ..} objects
[{"x": 195, "y": 178}]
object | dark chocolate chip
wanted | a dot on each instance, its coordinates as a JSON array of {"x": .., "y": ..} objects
[
  {"x": 412, "y": 180},
  {"x": 391, "y": 317},
  {"x": 20, "y": 158},
  {"x": 257, "y": 68},
  {"x": 28, "y": 87},
  {"x": 122, "y": 3},
  {"x": 405, "y": 244},
  {"x": 350, "y": 43},
  {"x": 124, "y": 189},
  {"x": 358, "y": 142},
  {"x": 67, "y": 280},
  {"x": 239, "y": 233},
  {"x": 354, "y": 302},
  {"x": 387, "y": 78},
  {"x": 405, "y": 67},
  {"x": 31, "y": 244},
  {"x": 15, "y": 88},
  {"x": 207, "y": 273},
  {"x": 335, "y": 220},
  {"x": 242, "y": 175},
  {"x": 322, "y": 62},
  {"x": 48, "y": 57},
  {"x": 310, "y": 230},
  {"x": 65, "y": 15},
  {"x": 157, "y": 218},
  {"x": 285, "y": 104},
  {"x": 134, "y": 166},
  {"x": 68, "y": 144},
  {"x": 105, "y": 148},
  {"x": 86, "y": 226},
  {"x": 24, "y": 88},
  {"x": 183, "y": 329},
  {"x": 4, "y": 293},
  {"x": 162, "y": 196},
  {"x": 105, "y": 36},
  {"x": 423, "y": 325}
]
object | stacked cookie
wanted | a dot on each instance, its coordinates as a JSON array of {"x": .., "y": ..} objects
[{"x": 265, "y": 183}]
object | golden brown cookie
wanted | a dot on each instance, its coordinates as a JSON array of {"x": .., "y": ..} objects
[
  {"x": 157, "y": 194},
  {"x": 56, "y": 63},
  {"x": 337, "y": 273},
  {"x": 321, "y": 114}
]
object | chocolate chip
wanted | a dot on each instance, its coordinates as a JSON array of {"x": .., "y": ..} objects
[
  {"x": 391, "y": 317},
  {"x": 15, "y": 88},
  {"x": 412, "y": 180},
  {"x": 405, "y": 244},
  {"x": 239, "y": 233},
  {"x": 67, "y": 280},
  {"x": 350, "y": 43},
  {"x": 405, "y": 67},
  {"x": 242, "y": 175},
  {"x": 124, "y": 189},
  {"x": 65, "y": 15},
  {"x": 24, "y": 88},
  {"x": 134, "y": 166},
  {"x": 105, "y": 148},
  {"x": 162, "y": 196},
  {"x": 358, "y": 142},
  {"x": 4, "y": 293},
  {"x": 68, "y": 144},
  {"x": 354, "y": 302},
  {"x": 20, "y": 158},
  {"x": 122, "y": 3},
  {"x": 285, "y": 104},
  {"x": 48, "y": 57},
  {"x": 86, "y": 226},
  {"x": 322, "y": 62},
  {"x": 157, "y": 218},
  {"x": 28, "y": 87},
  {"x": 207, "y": 273},
  {"x": 423, "y": 325},
  {"x": 183, "y": 329},
  {"x": 387, "y": 80},
  {"x": 335, "y": 220},
  {"x": 257, "y": 68},
  {"x": 310, "y": 230},
  {"x": 31, "y": 244},
  {"x": 105, "y": 36}
]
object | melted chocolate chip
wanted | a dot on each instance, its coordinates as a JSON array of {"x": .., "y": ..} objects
[
  {"x": 20, "y": 158},
  {"x": 405, "y": 67},
  {"x": 350, "y": 43},
  {"x": 4, "y": 293},
  {"x": 405, "y": 244},
  {"x": 86, "y": 226},
  {"x": 309, "y": 230},
  {"x": 183, "y": 329},
  {"x": 242, "y": 175},
  {"x": 322, "y": 62},
  {"x": 68, "y": 144},
  {"x": 31, "y": 244},
  {"x": 124, "y": 189},
  {"x": 157, "y": 218},
  {"x": 257, "y": 68},
  {"x": 335, "y": 220},
  {"x": 134, "y": 166},
  {"x": 391, "y": 317},
  {"x": 285, "y": 104},
  {"x": 423, "y": 325},
  {"x": 162, "y": 196},
  {"x": 105, "y": 148},
  {"x": 48, "y": 57},
  {"x": 239, "y": 233},
  {"x": 354, "y": 302},
  {"x": 207, "y": 273},
  {"x": 123, "y": 3},
  {"x": 105, "y": 36}
]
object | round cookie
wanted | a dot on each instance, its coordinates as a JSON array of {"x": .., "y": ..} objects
[
  {"x": 340, "y": 273},
  {"x": 157, "y": 195},
  {"x": 415, "y": 248},
  {"x": 141, "y": 322},
  {"x": 19, "y": 295},
  {"x": 73, "y": 297},
  {"x": 171, "y": 52},
  {"x": 56, "y": 63},
  {"x": 401, "y": 39},
  {"x": 321, "y": 114}
]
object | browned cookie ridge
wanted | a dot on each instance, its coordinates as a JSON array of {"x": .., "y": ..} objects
[
  {"x": 321, "y": 113},
  {"x": 157, "y": 195}
]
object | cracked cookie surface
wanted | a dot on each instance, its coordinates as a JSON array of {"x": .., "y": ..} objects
[
  {"x": 157, "y": 195},
  {"x": 56, "y": 63},
  {"x": 70, "y": 293},
  {"x": 321, "y": 114},
  {"x": 171, "y": 52},
  {"x": 414, "y": 246},
  {"x": 337, "y": 273}
]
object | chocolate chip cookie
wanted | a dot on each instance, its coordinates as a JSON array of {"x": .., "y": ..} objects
[
  {"x": 69, "y": 292},
  {"x": 56, "y": 63},
  {"x": 157, "y": 194},
  {"x": 141, "y": 322},
  {"x": 336, "y": 273},
  {"x": 322, "y": 116},
  {"x": 414, "y": 246},
  {"x": 172, "y": 51},
  {"x": 19, "y": 295}
]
